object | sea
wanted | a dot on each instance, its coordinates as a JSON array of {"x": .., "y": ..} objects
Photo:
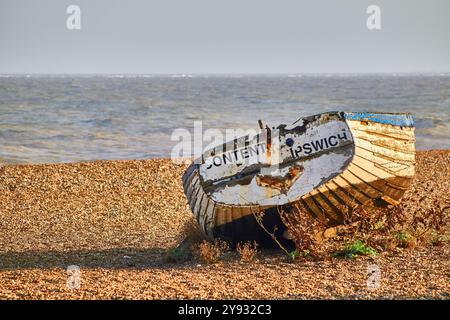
[{"x": 67, "y": 118}]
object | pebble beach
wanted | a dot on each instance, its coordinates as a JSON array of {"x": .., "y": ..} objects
[{"x": 117, "y": 219}]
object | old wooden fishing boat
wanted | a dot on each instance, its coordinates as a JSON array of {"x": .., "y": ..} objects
[{"x": 328, "y": 163}]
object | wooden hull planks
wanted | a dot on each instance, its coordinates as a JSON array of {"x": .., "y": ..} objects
[{"x": 328, "y": 164}]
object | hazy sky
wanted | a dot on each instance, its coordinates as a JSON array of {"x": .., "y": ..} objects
[{"x": 224, "y": 36}]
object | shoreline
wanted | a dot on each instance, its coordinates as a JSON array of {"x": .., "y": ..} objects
[{"x": 3, "y": 163}]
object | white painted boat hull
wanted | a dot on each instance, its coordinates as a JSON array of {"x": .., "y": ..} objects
[{"x": 326, "y": 163}]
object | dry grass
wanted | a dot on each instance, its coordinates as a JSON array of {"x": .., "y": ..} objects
[
  {"x": 405, "y": 240},
  {"x": 303, "y": 229},
  {"x": 211, "y": 252},
  {"x": 421, "y": 219},
  {"x": 247, "y": 251}
]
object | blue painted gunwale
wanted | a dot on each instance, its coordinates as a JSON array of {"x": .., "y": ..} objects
[{"x": 395, "y": 119}]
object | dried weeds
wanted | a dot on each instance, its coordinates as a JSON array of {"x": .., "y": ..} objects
[
  {"x": 210, "y": 252},
  {"x": 247, "y": 251}
]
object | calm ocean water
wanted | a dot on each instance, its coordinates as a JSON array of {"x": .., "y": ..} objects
[{"x": 63, "y": 119}]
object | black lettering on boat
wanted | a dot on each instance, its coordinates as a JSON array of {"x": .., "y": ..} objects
[
  {"x": 298, "y": 150},
  {"x": 254, "y": 151},
  {"x": 307, "y": 148},
  {"x": 235, "y": 155},
  {"x": 215, "y": 163},
  {"x": 292, "y": 153},
  {"x": 333, "y": 144},
  {"x": 226, "y": 156},
  {"x": 263, "y": 147},
  {"x": 244, "y": 153},
  {"x": 343, "y": 137},
  {"x": 318, "y": 145}
]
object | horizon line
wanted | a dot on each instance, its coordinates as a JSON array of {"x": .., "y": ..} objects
[{"x": 220, "y": 73}]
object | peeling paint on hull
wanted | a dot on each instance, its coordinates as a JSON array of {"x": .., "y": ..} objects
[{"x": 326, "y": 163}]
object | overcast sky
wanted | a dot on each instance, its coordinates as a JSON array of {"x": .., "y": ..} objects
[{"x": 224, "y": 36}]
